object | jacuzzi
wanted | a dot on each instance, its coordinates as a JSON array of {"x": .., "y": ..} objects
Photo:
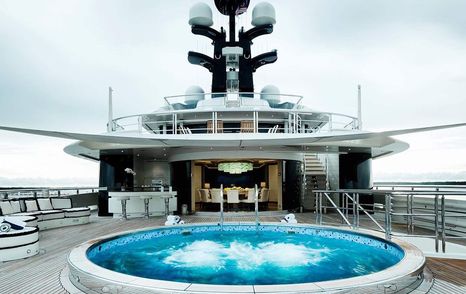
[{"x": 245, "y": 258}]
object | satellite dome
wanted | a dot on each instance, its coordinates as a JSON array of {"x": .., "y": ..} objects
[
  {"x": 194, "y": 94},
  {"x": 263, "y": 14},
  {"x": 271, "y": 94},
  {"x": 200, "y": 14}
]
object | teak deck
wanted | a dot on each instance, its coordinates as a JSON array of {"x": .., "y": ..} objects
[{"x": 40, "y": 274}]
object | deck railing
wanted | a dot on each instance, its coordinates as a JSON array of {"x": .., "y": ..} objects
[
  {"x": 408, "y": 206},
  {"x": 18, "y": 193},
  {"x": 246, "y": 115}
]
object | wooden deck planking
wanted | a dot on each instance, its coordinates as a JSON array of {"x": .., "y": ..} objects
[{"x": 40, "y": 274}]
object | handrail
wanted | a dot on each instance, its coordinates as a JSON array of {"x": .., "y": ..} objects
[
  {"x": 43, "y": 191},
  {"x": 352, "y": 195},
  {"x": 170, "y": 117}
]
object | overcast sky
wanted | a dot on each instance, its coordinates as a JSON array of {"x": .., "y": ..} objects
[{"x": 57, "y": 59}]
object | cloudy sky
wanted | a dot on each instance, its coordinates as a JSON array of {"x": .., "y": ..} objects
[{"x": 57, "y": 59}]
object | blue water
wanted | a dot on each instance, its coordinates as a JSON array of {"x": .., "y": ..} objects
[{"x": 246, "y": 257}]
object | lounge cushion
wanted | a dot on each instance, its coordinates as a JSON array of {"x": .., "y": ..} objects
[
  {"x": 44, "y": 204},
  {"x": 52, "y": 214},
  {"x": 36, "y": 214},
  {"x": 30, "y": 220},
  {"x": 31, "y": 205},
  {"x": 61, "y": 203},
  {"x": 6, "y": 207},
  {"x": 77, "y": 212},
  {"x": 15, "y": 206}
]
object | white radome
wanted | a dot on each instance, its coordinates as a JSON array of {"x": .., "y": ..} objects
[
  {"x": 271, "y": 94},
  {"x": 200, "y": 14},
  {"x": 262, "y": 14},
  {"x": 194, "y": 94}
]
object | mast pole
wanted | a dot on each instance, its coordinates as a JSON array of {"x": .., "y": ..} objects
[
  {"x": 110, "y": 110},
  {"x": 359, "y": 109},
  {"x": 232, "y": 28}
]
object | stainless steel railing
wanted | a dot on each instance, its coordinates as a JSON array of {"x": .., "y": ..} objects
[
  {"x": 14, "y": 193},
  {"x": 250, "y": 108},
  {"x": 346, "y": 202}
]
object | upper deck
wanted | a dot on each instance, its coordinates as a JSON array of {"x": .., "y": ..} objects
[{"x": 213, "y": 113}]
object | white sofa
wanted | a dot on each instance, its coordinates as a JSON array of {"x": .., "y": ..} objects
[{"x": 50, "y": 213}]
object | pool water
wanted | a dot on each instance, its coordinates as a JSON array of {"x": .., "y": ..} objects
[{"x": 245, "y": 257}]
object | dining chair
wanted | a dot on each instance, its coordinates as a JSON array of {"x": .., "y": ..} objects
[
  {"x": 264, "y": 197},
  {"x": 233, "y": 197},
  {"x": 205, "y": 197},
  {"x": 217, "y": 195},
  {"x": 250, "y": 198}
]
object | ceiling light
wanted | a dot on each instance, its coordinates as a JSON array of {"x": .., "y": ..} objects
[{"x": 235, "y": 167}]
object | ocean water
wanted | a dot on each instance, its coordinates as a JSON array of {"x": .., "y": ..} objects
[{"x": 245, "y": 258}]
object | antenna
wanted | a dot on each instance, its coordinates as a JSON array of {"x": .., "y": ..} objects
[
  {"x": 232, "y": 65},
  {"x": 359, "y": 109},
  {"x": 110, "y": 110}
]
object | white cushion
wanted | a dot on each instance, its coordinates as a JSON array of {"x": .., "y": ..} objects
[
  {"x": 52, "y": 214},
  {"x": 31, "y": 205},
  {"x": 77, "y": 212},
  {"x": 61, "y": 203},
  {"x": 36, "y": 214},
  {"x": 15, "y": 206},
  {"x": 44, "y": 204},
  {"x": 30, "y": 220},
  {"x": 6, "y": 207}
]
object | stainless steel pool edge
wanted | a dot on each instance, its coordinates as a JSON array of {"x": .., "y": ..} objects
[{"x": 401, "y": 278}]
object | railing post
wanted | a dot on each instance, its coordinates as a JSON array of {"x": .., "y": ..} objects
[
  {"x": 407, "y": 211},
  {"x": 355, "y": 225},
  {"x": 256, "y": 205},
  {"x": 317, "y": 206},
  {"x": 221, "y": 207},
  {"x": 442, "y": 218},
  {"x": 436, "y": 222},
  {"x": 320, "y": 208},
  {"x": 346, "y": 201},
  {"x": 411, "y": 217},
  {"x": 388, "y": 208},
  {"x": 139, "y": 124},
  {"x": 175, "y": 123},
  {"x": 357, "y": 209}
]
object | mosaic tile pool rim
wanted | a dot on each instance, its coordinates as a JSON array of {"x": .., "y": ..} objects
[{"x": 410, "y": 265}]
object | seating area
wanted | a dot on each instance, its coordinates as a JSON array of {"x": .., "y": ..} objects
[
  {"x": 50, "y": 212},
  {"x": 233, "y": 199},
  {"x": 22, "y": 219}
]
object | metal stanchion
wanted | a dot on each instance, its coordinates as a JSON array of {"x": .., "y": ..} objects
[
  {"x": 442, "y": 218},
  {"x": 388, "y": 205}
]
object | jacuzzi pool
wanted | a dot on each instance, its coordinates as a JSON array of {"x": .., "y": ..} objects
[{"x": 243, "y": 258}]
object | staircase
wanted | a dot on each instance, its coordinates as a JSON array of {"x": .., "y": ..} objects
[{"x": 315, "y": 177}]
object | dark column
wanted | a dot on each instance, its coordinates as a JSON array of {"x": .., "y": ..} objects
[
  {"x": 113, "y": 176},
  {"x": 181, "y": 182},
  {"x": 355, "y": 173},
  {"x": 291, "y": 177}
]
